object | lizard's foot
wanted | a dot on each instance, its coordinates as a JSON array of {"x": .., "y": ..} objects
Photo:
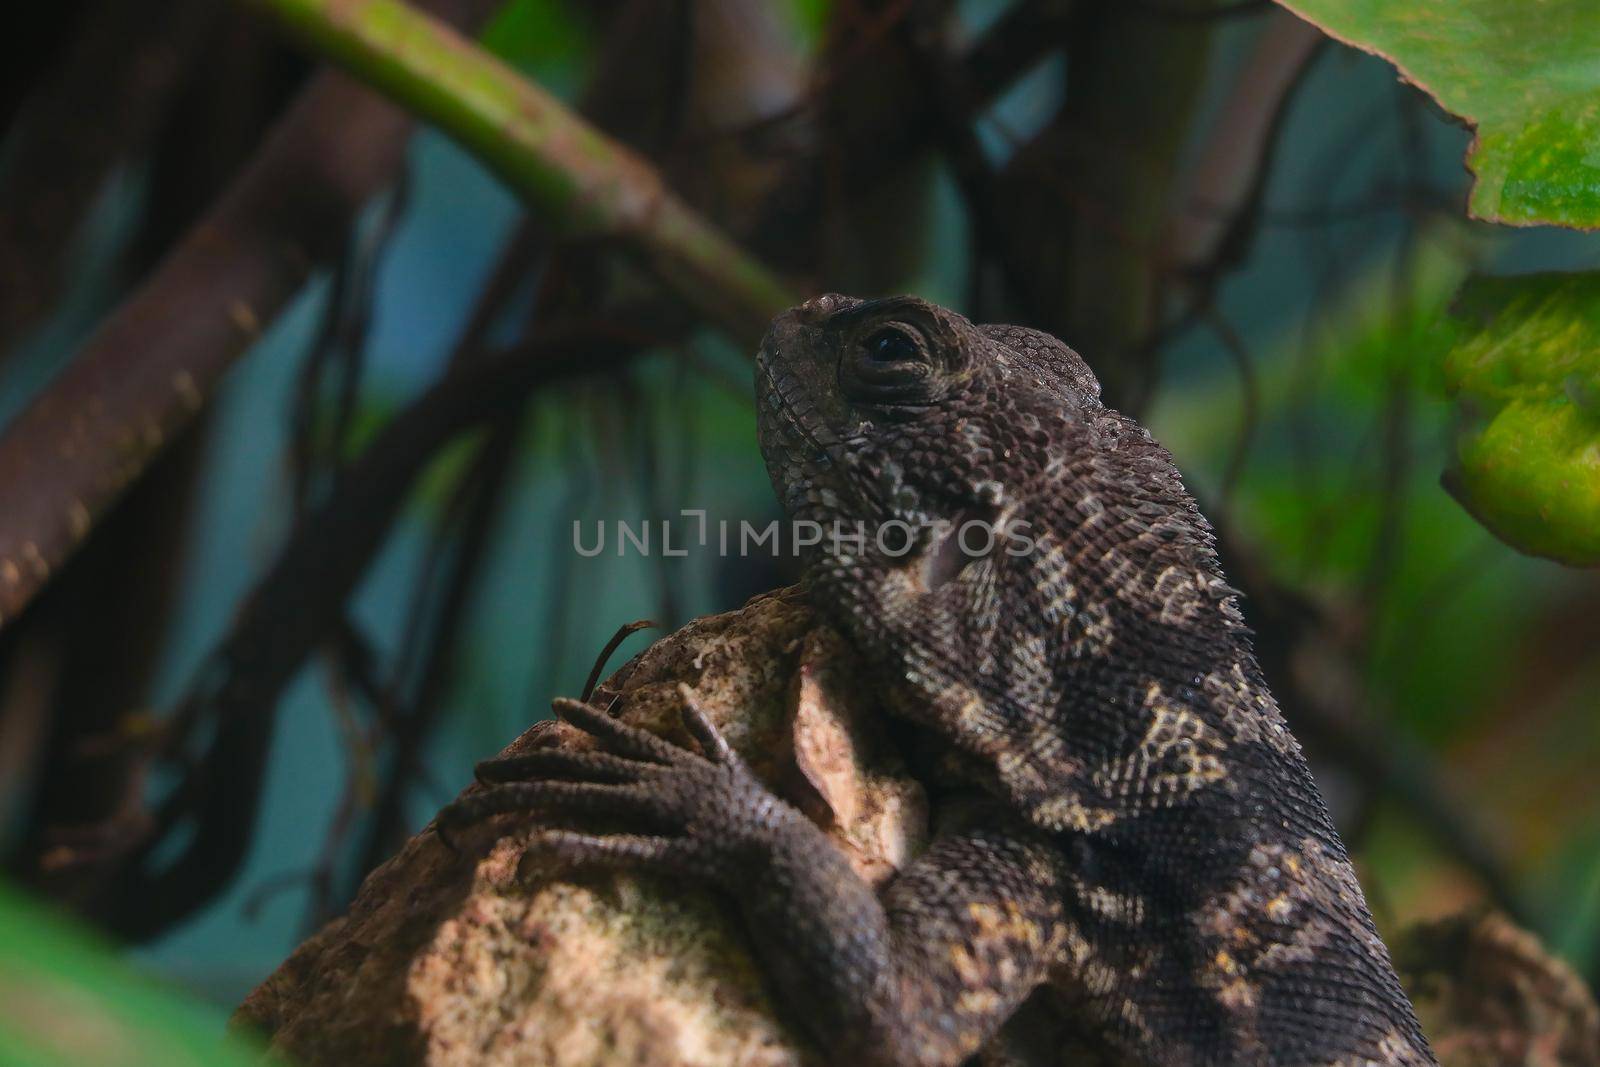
[{"x": 685, "y": 813}]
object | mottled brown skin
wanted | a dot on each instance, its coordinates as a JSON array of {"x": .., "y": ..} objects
[{"x": 1138, "y": 831}]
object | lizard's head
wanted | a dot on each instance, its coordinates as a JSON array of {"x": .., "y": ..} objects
[{"x": 900, "y": 409}]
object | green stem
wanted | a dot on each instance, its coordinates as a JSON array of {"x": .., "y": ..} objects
[{"x": 581, "y": 181}]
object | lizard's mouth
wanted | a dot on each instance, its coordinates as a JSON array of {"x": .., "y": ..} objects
[
  {"x": 798, "y": 441},
  {"x": 784, "y": 400}
]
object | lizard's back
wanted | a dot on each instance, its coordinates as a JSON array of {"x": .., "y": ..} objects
[{"x": 1091, "y": 668}]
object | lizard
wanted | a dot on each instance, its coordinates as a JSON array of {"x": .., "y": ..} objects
[{"x": 1130, "y": 827}]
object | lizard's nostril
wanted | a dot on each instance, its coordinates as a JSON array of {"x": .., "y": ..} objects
[{"x": 821, "y": 306}]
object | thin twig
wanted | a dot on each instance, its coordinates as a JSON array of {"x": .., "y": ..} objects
[
  {"x": 1219, "y": 199},
  {"x": 1250, "y": 404},
  {"x": 284, "y": 619},
  {"x": 624, "y": 631}
]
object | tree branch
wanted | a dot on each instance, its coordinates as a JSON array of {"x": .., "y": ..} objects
[
  {"x": 147, "y": 370},
  {"x": 1217, "y": 204},
  {"x": 582, "y": 181}
]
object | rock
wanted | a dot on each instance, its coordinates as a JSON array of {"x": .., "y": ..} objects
[
  {"x": 1490, "y": 995},
  {"x": 487, "y": 959}
]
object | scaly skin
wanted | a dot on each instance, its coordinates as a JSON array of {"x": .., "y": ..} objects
[{"x": 1039, "y": 595}]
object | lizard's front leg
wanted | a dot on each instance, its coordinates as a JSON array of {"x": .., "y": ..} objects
[{"x": 924, "y": 975}]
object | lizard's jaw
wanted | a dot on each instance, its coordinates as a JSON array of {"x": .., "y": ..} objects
[
  {"x": 800, "y": 450},
  {"x": 801, "y": 421}
]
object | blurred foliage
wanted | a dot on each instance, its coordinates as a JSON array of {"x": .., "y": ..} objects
[
  {"x": 545, "y": 39},
  {"x": 1525, "y": 371},
  {"x": 1311, "y": 493},
  {"x": 542, "y": 36},
  {"x": 1523, "y": 74},
  {"x": 65, "y": 999},
  {"x": 1453, "y": 637}
]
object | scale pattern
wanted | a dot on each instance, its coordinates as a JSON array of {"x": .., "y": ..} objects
[
  {"x": 1094, "y": 671},
  {"x": 1131, "y": 829}
]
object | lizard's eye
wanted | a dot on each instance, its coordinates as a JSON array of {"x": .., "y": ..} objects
[
  {"x": 891, "y": 363},
  {"x": 893, "y": 345}
]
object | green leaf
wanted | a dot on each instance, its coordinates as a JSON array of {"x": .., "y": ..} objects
[
  {"x": 1526, "y": 73},
  {"x": 67, "y": 1001},
  {"x": 1525, "y": 372},
  {"x": 535, "y": 34},
  {"x": 811, "y": 17}
]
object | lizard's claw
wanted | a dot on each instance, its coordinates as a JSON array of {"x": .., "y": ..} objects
[
  {"x": 710, "y": 739},
  {"x": 675, "y": 810}
]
